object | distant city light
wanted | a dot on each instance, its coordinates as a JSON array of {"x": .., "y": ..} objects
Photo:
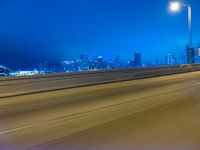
[
  {"x": 85, "y": 63},
  {"x": 175, "y": 6}
]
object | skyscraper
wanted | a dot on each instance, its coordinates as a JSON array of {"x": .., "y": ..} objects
[
  {"x": 137, "y": 60},
  {"x": 171, "y": 60},
  {"x": 197, "y": 57},
  {"x": 190, "y": 53},
  {"x": 198, "y": 49},
  {"x": 181, "y": 60},
  {"x": 118, "y": 63},
  {"x": 100, "y": 64},
  {"x": 84, "y": 61}
]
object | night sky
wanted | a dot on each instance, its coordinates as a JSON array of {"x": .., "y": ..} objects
[{"x": 33, "y": 31}]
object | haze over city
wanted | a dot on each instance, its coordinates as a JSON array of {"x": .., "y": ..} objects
[{"x": 35, "y": 31}]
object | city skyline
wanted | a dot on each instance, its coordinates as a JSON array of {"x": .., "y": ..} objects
[
  {"x": 87, "y": 62},
  {"x": 83, "y": 62},
  {"x": 35, "y": 31}
]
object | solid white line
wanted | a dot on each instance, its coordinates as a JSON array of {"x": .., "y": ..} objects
[{"x": 17, "y": 129}]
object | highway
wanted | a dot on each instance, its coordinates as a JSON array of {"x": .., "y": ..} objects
[{"x": 158, "y": 113}]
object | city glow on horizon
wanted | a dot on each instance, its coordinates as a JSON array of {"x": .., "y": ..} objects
[{"x": 175, "y": 6}]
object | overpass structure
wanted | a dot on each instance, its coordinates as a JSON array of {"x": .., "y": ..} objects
[{"x": 139, "y": 109}]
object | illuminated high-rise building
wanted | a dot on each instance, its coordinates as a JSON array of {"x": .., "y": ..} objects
[
  {"x": 181, "y": 60},
  {"x": 198, "y": 50},
  {"x": 84, "y": 65},
  {"x": 171, "y": 60},
  {"x": 190, "y": 52},
  {"x": 100, "y": 62},
  {"x": 137, "y": 60},
  {"x": 197, "y": 56},
  {"x": 118, "y": 63}
]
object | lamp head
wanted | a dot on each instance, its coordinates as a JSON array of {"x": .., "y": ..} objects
[{"x": 175, "y": 6}]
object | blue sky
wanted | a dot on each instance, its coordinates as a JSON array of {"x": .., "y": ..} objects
[{"x": 32, "y": 31}]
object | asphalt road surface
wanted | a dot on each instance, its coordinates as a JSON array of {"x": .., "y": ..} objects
[{"x": 160, "y": 113}]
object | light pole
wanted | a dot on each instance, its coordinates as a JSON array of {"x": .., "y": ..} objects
[
  {"x": 176, "y": 6},
  {"x": 190, "y": 24}
]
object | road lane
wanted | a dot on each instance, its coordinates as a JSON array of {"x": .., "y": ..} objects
[{"x": 158, "y": 112}]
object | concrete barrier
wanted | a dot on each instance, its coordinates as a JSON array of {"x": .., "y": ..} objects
[{"x": 16, "y": 86}]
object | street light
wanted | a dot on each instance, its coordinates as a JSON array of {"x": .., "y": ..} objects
[{"x": 176, "y": 6}]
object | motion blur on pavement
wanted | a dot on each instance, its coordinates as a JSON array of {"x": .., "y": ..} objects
[{"x": 144, "y": 114}]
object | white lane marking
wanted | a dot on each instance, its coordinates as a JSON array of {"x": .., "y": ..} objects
[
  {"x": 17, "y": 129},
  {"x": 40, "y": 123},
  {"x": 46, "y": 122}
]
